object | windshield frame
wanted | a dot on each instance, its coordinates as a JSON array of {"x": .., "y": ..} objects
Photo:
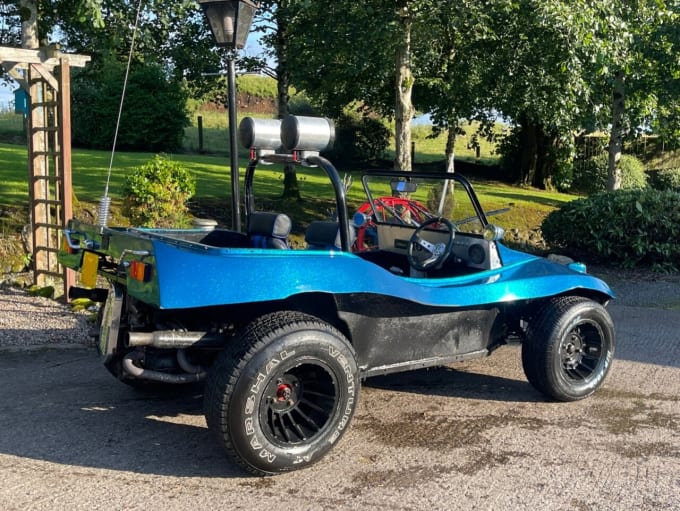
[{"x": 429, "y": 176}]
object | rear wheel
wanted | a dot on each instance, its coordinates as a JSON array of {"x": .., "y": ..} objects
[
  {"x": 569, "y": 348},
  {"x": 283, "y": 393}
]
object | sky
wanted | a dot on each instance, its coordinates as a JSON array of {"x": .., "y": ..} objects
[
  {"x": 6, "y": 92},
  {"x": 253, "y": 48}
]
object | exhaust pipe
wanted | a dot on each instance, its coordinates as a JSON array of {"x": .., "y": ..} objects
[
  {"x": 174, "y": 339},
  {"x": 148, "y": 374}
]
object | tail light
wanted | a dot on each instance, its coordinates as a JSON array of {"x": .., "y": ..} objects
[{"x": 140, "y": 271}]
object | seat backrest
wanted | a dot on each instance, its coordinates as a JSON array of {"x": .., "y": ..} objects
[
  {"x": 269, "y": 230},
  {"x": 325, "y": 235}
]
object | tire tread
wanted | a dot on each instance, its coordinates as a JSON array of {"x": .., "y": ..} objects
[
  {"x": 537, "y": 350},
  {"x": 229, "y": 365}
]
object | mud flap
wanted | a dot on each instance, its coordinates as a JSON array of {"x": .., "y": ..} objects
[{"x": 109, "y": 330}]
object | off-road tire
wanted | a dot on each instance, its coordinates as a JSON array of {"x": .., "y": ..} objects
[
  {"x": 569, "y": 348},
  {"x": 282, "y": 393}
]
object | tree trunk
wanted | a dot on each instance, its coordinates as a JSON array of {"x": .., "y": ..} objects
[
  {"x": 29, "y": 24},
  {"x": 450, "y": 150},
  {"x": 545, "y": 159},
  {"x": 450, "y": 153},
  {"x": 291, "y": 188},
  {"x": 403, "y": 111},
  {"x": 616, "y": 136},
  {"x": 529, "y": 153},
  {"x": 546, "y": 167}
]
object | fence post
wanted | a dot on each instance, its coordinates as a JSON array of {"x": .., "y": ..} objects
[{"x": 200, "y": 133}]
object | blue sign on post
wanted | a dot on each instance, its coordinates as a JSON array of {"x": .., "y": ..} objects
[{"x": 20, "y": 102}]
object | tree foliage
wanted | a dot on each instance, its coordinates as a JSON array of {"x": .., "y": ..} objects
[
  {"x": 552, "y": 67},
  {"x": 170, "y": 33},
  {"x": 10, "y": 26},
  {"x": 359, "y": 53},
  {"x": 628, "y": 51},
  {"x": 154, "y": 114}
]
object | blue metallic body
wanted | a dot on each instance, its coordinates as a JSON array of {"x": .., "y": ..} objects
[{"x": 192, "y": 275}]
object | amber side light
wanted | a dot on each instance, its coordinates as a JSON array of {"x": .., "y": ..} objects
[{"x": 140, "y": 271}]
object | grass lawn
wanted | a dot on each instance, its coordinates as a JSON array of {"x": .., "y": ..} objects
[
  {"x": 432, "y": 149},
  {"x": 90, "y": 169},
  {"x": 528, "y": 206}
]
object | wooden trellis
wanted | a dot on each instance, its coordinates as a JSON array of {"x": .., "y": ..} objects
[{"x": 45, "y": 76}]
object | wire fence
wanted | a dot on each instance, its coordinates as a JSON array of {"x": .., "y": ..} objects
[
  {"x": 6, "y": 106},
  {"x": 645, "y": 147}
]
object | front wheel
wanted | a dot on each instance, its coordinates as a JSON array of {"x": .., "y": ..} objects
[
  {"x": 281, "y": 395},
  {"x": 569, "y": 348}
]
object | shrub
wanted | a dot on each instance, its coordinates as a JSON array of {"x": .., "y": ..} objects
[
  {"x": 156, "y": 193},
  {"x": 626, "y": 227},
  {"x": 299, "y": 104},
  {"x": 154, "y": 112},
  {"x": 592, "y": 176},
  {"x": 665, "y": 179},
  {"x": 359, "y": 138}
]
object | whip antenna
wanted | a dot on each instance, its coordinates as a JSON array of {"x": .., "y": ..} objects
[{"x": 105, "y": 201}]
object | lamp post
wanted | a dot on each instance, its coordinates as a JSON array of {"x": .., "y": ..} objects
[{"x": 230, "y": 22}]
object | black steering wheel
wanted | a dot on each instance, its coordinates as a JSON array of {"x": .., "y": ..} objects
[{"x": 438, "y": 251}]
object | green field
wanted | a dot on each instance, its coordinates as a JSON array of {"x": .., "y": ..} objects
[
  {"x": 90, "y": 169},
  {"x": 428, "y": 149},
  {"x": 528, "y": 207}
]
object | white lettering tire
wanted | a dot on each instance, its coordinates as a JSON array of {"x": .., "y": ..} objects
[
  {"x": 569, "y": 348},
  {"x": 282, "y": 393}
]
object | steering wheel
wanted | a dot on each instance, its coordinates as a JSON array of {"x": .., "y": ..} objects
[{"x": 438, "y": 251}]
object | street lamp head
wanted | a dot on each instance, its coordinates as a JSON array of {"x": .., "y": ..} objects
[{"x": 229, "y": 20}]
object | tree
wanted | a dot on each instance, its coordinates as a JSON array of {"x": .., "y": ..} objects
[
  {"x": 28, "y": 11},
  {"x": 154, "y": 116},
  {"x": 10, "y": 25},
  {"x": 628, "y": 55},
  {"x": 273, "y": 23},
  {"x": 173, "y": 33},
  {"x": 339, "y": 58},
  {"x": 664, "y": 48},
  {"x": 536, "y": 77},
  {"x": 643, "y": 56},
  {"x": 449, "y": 40},
  {"x": 403, "y": 87}
]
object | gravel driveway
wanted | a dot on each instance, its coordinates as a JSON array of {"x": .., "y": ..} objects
[
  {"x": 472, "y": 436},
  {"x": 31, "y": 321}
]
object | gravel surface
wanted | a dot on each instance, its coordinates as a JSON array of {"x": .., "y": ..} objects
[{"x": 28, "y": 321}]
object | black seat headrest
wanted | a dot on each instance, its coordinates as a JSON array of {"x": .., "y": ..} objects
[
  {"x": 276, "y": 225},
  {"x": 325, "y": 235}
]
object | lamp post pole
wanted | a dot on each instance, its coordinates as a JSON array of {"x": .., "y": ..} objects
[
  {"x": 230, "y": 23},
  {"x": 231, "y": 105}
]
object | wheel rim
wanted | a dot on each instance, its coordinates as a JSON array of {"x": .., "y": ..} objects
[
  {"x": 298, "y": 404},
  {"x": 582, "y": 352}
]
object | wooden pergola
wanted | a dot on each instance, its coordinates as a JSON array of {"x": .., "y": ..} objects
[{"x": 45, "y": 76}]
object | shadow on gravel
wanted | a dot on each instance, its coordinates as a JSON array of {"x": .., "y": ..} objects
[
  {"x": 449, "y": 382},
  {"x": 64, "y": 408}
]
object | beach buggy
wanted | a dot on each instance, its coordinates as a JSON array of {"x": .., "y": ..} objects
[{"x": 284, "y": 336}]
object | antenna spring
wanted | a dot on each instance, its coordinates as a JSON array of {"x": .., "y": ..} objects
[{"x": 103, "y": 211}]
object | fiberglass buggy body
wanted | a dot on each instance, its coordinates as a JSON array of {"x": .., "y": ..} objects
[{"x": 284, "y": 336}]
